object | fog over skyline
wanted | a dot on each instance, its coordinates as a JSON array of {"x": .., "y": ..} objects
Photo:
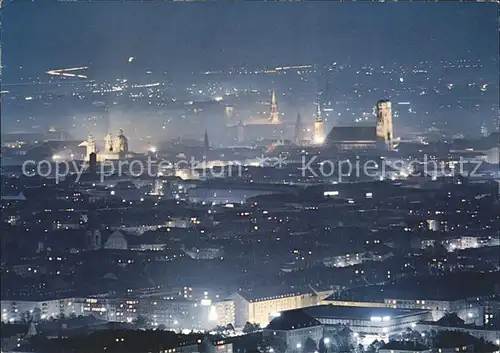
[{"x": 359, "y": 52}]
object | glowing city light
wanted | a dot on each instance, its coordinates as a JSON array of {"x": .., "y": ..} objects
[{"x": 67, "y": 72}]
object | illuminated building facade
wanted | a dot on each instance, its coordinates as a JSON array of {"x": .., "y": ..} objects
[
  {"x": 15, "y": 310},
  {"x": 367, "y": 324},
  {"x": 319, "y": 129},
  {"x": 291, "y": 329},
  {"x": 113, "y": 149},
  {"x": 259, "y": 309},
  {"x": 470, "y": 313}
]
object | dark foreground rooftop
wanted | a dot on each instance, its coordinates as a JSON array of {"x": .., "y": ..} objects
[{"x": 358, "y": 313}]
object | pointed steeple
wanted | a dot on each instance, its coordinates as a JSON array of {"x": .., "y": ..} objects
[
  {"x": 298, "y": 130},
  {"x": 274, "y": 118},
  {"x": 319, "y": 117},
  {"x": 206, "y": 144}
]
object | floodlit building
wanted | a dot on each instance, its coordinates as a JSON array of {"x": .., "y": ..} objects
[
  {"x": 367, "y": 322},
  {"x": 15, "y": 310},
  {"x": 292, "y": 329},
  {"x": 113, "y": 149},
  {"x": 319, "y": 128},
  {"x": 259, "y": 307},
  {"x": 471, "y": 313}
]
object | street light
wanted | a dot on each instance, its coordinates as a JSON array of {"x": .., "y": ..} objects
[
  {"x": 298, "y": 345},
  {"x": 326, "y": 340}
]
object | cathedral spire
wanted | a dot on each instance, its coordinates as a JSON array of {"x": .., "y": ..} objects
[{"x": 274, "y": 118}]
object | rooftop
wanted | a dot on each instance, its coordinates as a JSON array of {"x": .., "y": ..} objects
[
  {"x": 269, "y": 293},
  {"x": 358, "y": 313},
  {"x": 352, "y": 133},
  {"x": 292, "y": 319}
]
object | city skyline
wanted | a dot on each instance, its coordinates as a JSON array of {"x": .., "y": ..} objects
[
  {"x": 249, "y": 177},
  {"x": 346, "y": 53}
]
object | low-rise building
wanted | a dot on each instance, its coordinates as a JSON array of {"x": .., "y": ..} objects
[
  {"x": 15, "y": 310},
  {"x": 370, "y": 323},
  {"x": 366, "y": 323},
  {"x": 291, "y": 329},
  {"x": 471, "y": 313}
]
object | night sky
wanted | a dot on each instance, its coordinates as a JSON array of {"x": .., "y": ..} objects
[{"x": 199, "y": 36}]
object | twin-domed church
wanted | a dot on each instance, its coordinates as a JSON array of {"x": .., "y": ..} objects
[{"x": 114, "y": 149}]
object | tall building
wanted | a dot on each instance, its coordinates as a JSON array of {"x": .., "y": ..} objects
[
  {"x": 113, "y": 150},
  {"x": 121, "y": 143},
  {"x": 260, "y": 306},
  {"x": 299, "y": 129},
  {"x": 91, "y": 146},
  {"x": 274, "y": 118},
  {"x": 108, "y": 142},
  {"x": 384, "y": 122},
  {"x": 319, "y": 129}
]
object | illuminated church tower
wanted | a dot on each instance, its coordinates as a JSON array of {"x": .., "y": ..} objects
[
  {"x": 91, "y": 146},
  {"x": 319, "y": 129},
  {"x": 121, "y": 143},
  {"x": 108, "y": 143},
  {"x": 384, "y": 123},
  {"x": 274, "y": 118}
]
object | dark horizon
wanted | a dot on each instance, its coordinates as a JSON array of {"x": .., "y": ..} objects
[{"x": 174, "y": 36}]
